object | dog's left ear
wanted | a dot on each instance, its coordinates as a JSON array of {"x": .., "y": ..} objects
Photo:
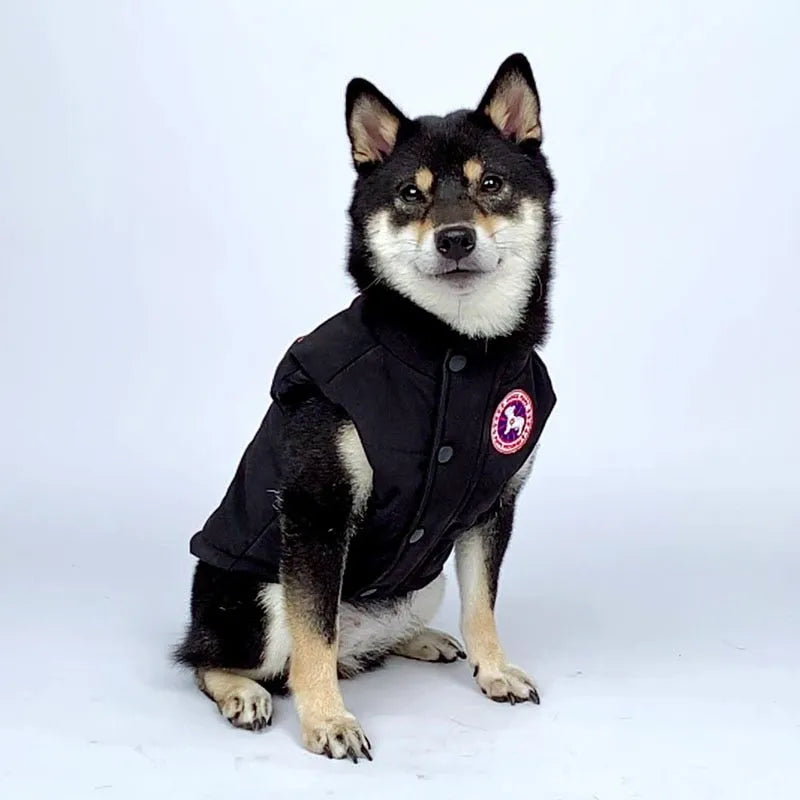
[
  {"x": 512, "y": 103},
  {"x": 373, "y": 123}
]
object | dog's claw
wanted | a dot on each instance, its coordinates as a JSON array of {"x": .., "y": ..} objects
[
  {"x": 337, "y": 737},
  {"x": 475, "y": 671},
  {"x": 534, "y": 697},
  {"x": 461, "y": 654}
]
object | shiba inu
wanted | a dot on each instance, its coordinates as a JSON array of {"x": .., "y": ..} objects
[{"x": 400, "y": 430}]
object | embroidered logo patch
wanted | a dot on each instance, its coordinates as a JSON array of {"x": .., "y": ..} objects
[{"x": 512, "y": 422}]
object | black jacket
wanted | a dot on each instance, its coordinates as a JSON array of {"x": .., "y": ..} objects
[{"x": 444, "y": 430}]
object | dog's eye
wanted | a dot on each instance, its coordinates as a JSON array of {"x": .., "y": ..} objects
[
  {"x": 410, "y": 193},
  {"x": 491, "y": 183}
]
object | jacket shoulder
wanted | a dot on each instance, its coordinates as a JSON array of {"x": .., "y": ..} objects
[{"x": 314, "y": 360}]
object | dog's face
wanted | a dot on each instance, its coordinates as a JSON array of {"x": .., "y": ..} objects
[{"x": 453, "y": 212}]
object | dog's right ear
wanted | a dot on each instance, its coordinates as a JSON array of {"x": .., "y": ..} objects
[{"x": 373, "y": 123}]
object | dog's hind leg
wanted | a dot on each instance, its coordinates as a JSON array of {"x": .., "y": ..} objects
[
  {"x": 243, "y": 702},
  {"x": 431, "y": 645},
  {"x": 236, "y": 640},
  {"x": 428, "y": 644}
]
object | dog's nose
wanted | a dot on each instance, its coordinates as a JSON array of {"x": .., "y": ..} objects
[{"x": 456, "y": 241}]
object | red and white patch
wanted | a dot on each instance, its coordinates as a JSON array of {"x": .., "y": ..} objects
[{"x": 512, "y": 422}]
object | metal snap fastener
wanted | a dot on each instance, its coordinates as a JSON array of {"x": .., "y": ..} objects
[
  {"x": 417, "y": 535},
  {"x": 445, "y": 454},
  {"x": 457, "y": 363}
]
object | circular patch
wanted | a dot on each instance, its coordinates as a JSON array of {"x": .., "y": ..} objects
[{"x": 512, "y": 422}]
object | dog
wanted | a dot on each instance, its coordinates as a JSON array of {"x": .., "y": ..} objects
[
  {"x": 400, "y": 430},
  {"x": 514, "y": 423}
]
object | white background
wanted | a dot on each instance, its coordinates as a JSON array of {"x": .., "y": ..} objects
[{"x": 173, "y": 185}]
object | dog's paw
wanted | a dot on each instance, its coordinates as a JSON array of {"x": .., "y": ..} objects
[
  {"x": 506, "y": 684},
  {"x": 337, "y": 737},
  {"x": 431, "y": 645},
  {"x": 248, "y": 707}
]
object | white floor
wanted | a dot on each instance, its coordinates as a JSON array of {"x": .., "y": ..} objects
[{"x": 666, "y": 648}]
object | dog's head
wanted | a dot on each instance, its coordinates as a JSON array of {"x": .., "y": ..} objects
[{"x": 453, "y": 212}]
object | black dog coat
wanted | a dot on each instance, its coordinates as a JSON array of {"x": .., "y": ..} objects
[{"x": 444, "y": 431}]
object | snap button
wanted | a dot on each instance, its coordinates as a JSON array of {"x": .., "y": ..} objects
[
  {"x": 457, "y": 363},
  {"x": 368, "y": 592},
  {"x": 445, "y": 454},
  {"x": 417, "y": 535}
]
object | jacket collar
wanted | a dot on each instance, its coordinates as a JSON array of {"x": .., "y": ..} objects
[{"x": 425, "y": 343}]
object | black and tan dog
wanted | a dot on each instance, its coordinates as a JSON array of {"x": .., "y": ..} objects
[{"x": 400, "y": 430}]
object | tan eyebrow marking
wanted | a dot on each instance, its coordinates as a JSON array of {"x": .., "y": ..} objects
[
  {"x": 424, "y": 179},
  {"x": 473, "y": 169}
]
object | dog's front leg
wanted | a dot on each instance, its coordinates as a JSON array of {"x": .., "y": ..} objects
[
  {"x": 479, "y": 554},
  {"x": 316, "y": 510},
  {"x": 313, "y": 563}
]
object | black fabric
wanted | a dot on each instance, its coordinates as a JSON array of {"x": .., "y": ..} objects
[{"x": 424, "y": 418}]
